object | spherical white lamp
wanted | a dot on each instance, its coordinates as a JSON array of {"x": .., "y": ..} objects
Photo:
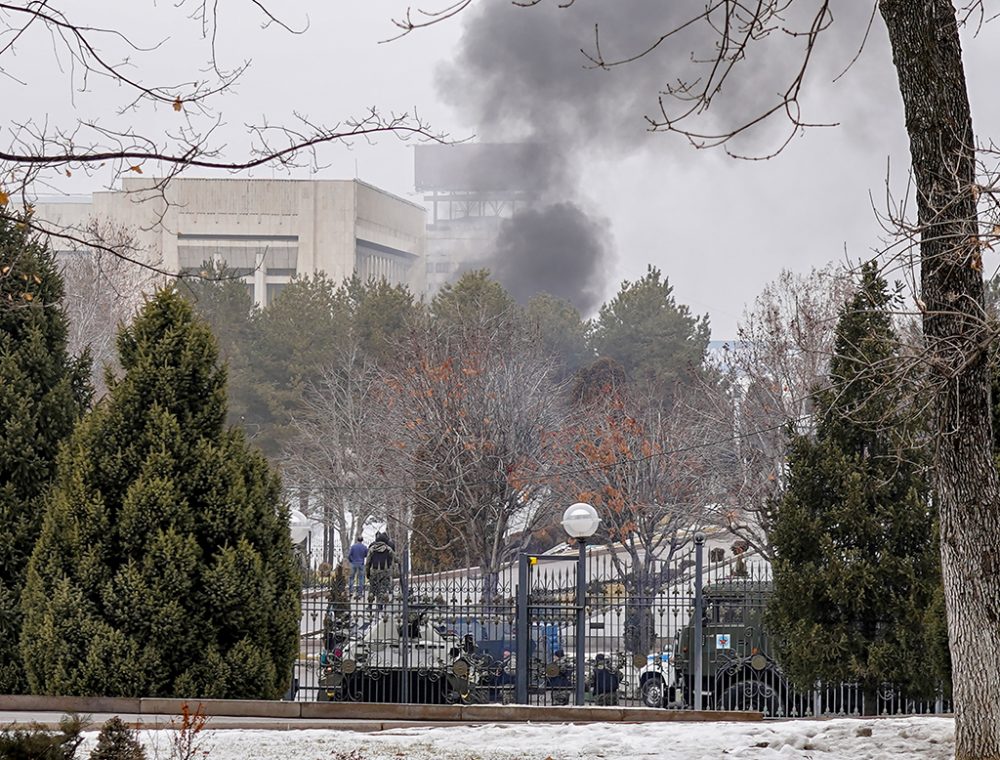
[
  {"x": 580, "y": 520},
  {"x": 300, "y": 526}
]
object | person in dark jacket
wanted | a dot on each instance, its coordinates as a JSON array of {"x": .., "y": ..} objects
[
  {"x": 557, "y": 680},
  {"x": 381, "y": 555},
  {"x": 604, "y": 682},
  {"x": 357, "y": 555}
]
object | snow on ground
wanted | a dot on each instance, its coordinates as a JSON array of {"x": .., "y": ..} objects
[{"x": 925, "y": 738}]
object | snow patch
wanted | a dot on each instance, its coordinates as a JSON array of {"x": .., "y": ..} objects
[{"x": 924, "y": 738}]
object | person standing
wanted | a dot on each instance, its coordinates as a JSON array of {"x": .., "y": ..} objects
[
  {"x": 357, "y": 555},
  {"x": 604, "y": 683},
  {"x": 379, "y": 563},
  {"x": 557, "y": 678}
]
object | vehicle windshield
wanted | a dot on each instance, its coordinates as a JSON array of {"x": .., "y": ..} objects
[{"x": 725, "y": 611}]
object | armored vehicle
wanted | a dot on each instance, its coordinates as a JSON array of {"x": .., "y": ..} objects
[
  {"x": 738, "y": 668},
  {"x": 490, "y": 642},
  {"x": 387, "y": 660}
]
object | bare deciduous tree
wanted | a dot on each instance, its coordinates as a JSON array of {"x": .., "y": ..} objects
[
  {"x": 647, "y": 469},
  {"x": 103, "y": 291},
  {"x": 39, "y": 153},
  {"x": 472, "y": 406},
  {"x": 337, "y": 451},
  {"x": 781, "y": 355}
]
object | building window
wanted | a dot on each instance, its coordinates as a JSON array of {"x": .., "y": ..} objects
[
  {"x": 242, "y": 255},
  {"x": 273, "y": 290},
  {"x": 379, "y": 262}
]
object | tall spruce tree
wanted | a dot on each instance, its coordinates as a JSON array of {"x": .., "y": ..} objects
[
  {"x": 164, "y": 566},
  {"x": 856, "y": 567},
  {"x": 295, "y": 340},
  {"x": 43, "y": 392},
  {"x": 652, "y": 336},
  {"x": 222, "y": 300}
]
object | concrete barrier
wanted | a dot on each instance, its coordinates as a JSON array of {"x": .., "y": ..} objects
[
  {"x": 344, "y": 714},
  {"x": 233, "y": 708},
  {"x": 33, "y": 703},
  {"x": 380, "y": 711}
]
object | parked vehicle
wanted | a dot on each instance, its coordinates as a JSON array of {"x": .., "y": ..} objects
[
  {"x": 656, "y": 678},
  {"x": 494, "y": 651},
  {"x": 738, "y": 668},
  {"x": 387, "y": 661}
]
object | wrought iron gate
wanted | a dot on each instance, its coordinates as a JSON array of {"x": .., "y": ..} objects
[{"x": 683, "y": 629}]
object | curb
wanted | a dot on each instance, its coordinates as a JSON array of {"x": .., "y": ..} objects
[{"x": 320, "y": 714}]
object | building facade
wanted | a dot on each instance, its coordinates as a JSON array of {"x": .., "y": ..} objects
[
  {"x": 266, "y": 231},
  {"x": 470, "y": 190}
]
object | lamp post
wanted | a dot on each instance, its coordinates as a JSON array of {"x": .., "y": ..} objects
[
  {"x": 300, "y": 529},
  {"x": 580, "y": 521}
]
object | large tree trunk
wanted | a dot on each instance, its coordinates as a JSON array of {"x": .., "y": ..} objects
[{"x": 928, "y": 58}]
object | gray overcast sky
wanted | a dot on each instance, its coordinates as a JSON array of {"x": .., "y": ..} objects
[{"x": 719, "y": 228}]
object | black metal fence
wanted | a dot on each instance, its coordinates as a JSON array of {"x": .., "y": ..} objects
[{"x": 519, "y": 635}]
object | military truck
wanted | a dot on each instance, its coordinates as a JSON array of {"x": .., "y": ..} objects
[
  {"x": 738, "y": 668},
  {"x": 385, "y": 660}
]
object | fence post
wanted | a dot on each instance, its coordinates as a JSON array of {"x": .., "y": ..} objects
[
  {"x": 817, "y": 700},
  {"x": 404, "y": 643},
  {"x": 581, "y": 619},
  {"x": 522, "y": 630},
  {"x": 699, "y": 608}
]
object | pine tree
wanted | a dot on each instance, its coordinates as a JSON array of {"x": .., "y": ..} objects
[
  {"x": 654, "y": 338},
  {"x": 222, "y": 300},
  {"x": 296, "y": 338},
  {"x": 856, "y": 567},
  {"x": 164, "y": 565},
  {"x": 474, "y": 297},
  {"x": 43, "y": 392},
  {"x": 117, "y": 741}
]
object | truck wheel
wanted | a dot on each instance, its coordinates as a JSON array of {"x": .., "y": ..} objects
[
  {"x": 763, "y": 699},
  {"x": 653, "y": 692}
]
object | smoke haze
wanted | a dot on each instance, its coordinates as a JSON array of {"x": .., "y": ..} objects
[
  {"x": 519, "y": 75},
  {"x": 558, "y": 249}
]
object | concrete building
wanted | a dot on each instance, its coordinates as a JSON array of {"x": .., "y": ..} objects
[
  {"x": 458, "y": 245},
  {"x": 266, "y": 230},
  {"x": 470, "y": 190}
]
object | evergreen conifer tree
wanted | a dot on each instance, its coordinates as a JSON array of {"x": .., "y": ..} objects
[
  {"x": 856, "y": 566},
  {"x": 652, "y": 336},
  {"x": 164, "y": 566},
  {"x": 222, "y": 300},
  {"x": 118, "y": 741},
  {"x": 43, "y": 392}
]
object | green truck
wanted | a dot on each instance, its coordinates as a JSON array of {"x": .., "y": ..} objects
[{"x": 738, "y": 670}]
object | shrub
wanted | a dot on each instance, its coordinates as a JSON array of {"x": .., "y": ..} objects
[
  {"x": 117, "y": 742},
  {"x": 38, "y": 743}
]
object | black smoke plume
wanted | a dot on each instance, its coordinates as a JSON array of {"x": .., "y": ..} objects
[
  {"x": 520, "y": 75},
  {"x": 557, "y": 249}
]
